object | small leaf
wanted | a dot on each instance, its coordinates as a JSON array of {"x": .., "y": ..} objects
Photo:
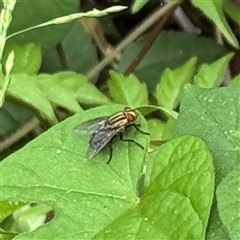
[
  {"x": 212, "y": 75},
  {"x": 170, "y": 50},
  {"x": 228, "y": 198},
  {"x": 66, "y": 89},
  {"x": 127, "y": 90},
  {"x": 138, "y": 5},
  {"x": 25, "y": 89},
  {"x": 213, "y": 10},
  {"x": 172, "y": 82}
]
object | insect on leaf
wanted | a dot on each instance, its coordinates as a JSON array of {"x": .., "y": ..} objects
[{"x": 89, "y": 126}]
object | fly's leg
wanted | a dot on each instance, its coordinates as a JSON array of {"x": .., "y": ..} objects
[
  {"x": 130, "y": 140},
  {"x": 136, "y": 126},
  {"x": 110, "y": 154}
]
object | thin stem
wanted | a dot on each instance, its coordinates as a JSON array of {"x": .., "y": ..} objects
[{"x": 132, "y": 36}]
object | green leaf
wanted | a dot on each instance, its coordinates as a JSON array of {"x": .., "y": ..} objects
[
  {"x": 213, "y": 115},
  {"x": 156, "y": 129},
  {"x": 65, "y": 89},
  {"x": 232, "y": 11},
  {"x": 27, "y": 58},
  {"x": 236, "y": 81},
  {"x": 172, "y": 82},
  {"x": 170, "y": 50},
  {"x": 127, "y": 90},
  {"x": 138, "y": 5},
  {"x": 24, "y": 89},
  {"x": 228, "y": 197},
  {"x": 212, "y": 75},
  {"x": 213, "y": 10},
  {"x": 172, "y": 199},
  {"x": 59, "y": 174}
]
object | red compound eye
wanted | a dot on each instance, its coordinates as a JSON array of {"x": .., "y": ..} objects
[{"x": 131, "y": 117}]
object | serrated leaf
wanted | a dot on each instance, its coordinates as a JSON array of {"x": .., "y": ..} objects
[
  {"x": 212, "y": 75},
  {"x": 170, "y": 50},
  {"x": 228, "y": 198},
  {"x": 172, "y": 199},
  {"x": 213, "y": 115},
  {"x": 85, "y": 195},
  {"x": 172, "y": 82},
  {"x": 66, "y": 89},
  {"x": 27, "y": 58},
  {"x": 24, "y": 89},
  {"x": 213, "y": 10},
  {"x": 127, "y": 90}
]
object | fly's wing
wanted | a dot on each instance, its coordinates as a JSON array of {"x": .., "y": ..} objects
[
  {"x": 89, "y": 126},
  {"x": 99, "y": 140}
]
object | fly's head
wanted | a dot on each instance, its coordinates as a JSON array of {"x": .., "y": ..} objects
[{"x": 130, "y": 114}]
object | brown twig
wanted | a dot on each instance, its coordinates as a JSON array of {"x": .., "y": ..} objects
[
  {"x": 148, "y": 43},
  {"x": 133, "y": 35},
  {"x": 29, "y": 126}
]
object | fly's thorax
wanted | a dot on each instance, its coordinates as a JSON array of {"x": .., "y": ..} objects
[{"x": 122, "y": 119}]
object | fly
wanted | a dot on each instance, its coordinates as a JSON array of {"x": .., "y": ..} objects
[{"x": 105, "y": 129}]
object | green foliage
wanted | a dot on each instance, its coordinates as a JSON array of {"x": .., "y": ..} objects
[
  {"x": 236, "y": 81},
  {"x": 170, "y": 50},
  {"x": 127, "y": 90},
  {"x": 118, "y": 208},
  {"x": 214, "y": 10},
  {"x": 65, "y": 89},
  {"x": 211, "y": 75},
  {"x": 228, "y": 196},
  {"x": 27, "y": 58},
  {"x": 232, "y": 11},
  {"x": 138, "y": 5},
  {"x": 172, "y": 82},
  {"x": 184, "y": 183},
  {"x": 214, "y": 115}
]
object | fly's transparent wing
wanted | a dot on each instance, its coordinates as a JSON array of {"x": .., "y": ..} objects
[
  {"x": 99, "y": 140},
  {"x": 89, "y": 126}
]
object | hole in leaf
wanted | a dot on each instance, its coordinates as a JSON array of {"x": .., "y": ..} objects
[{"x": 24, "y": 217}]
